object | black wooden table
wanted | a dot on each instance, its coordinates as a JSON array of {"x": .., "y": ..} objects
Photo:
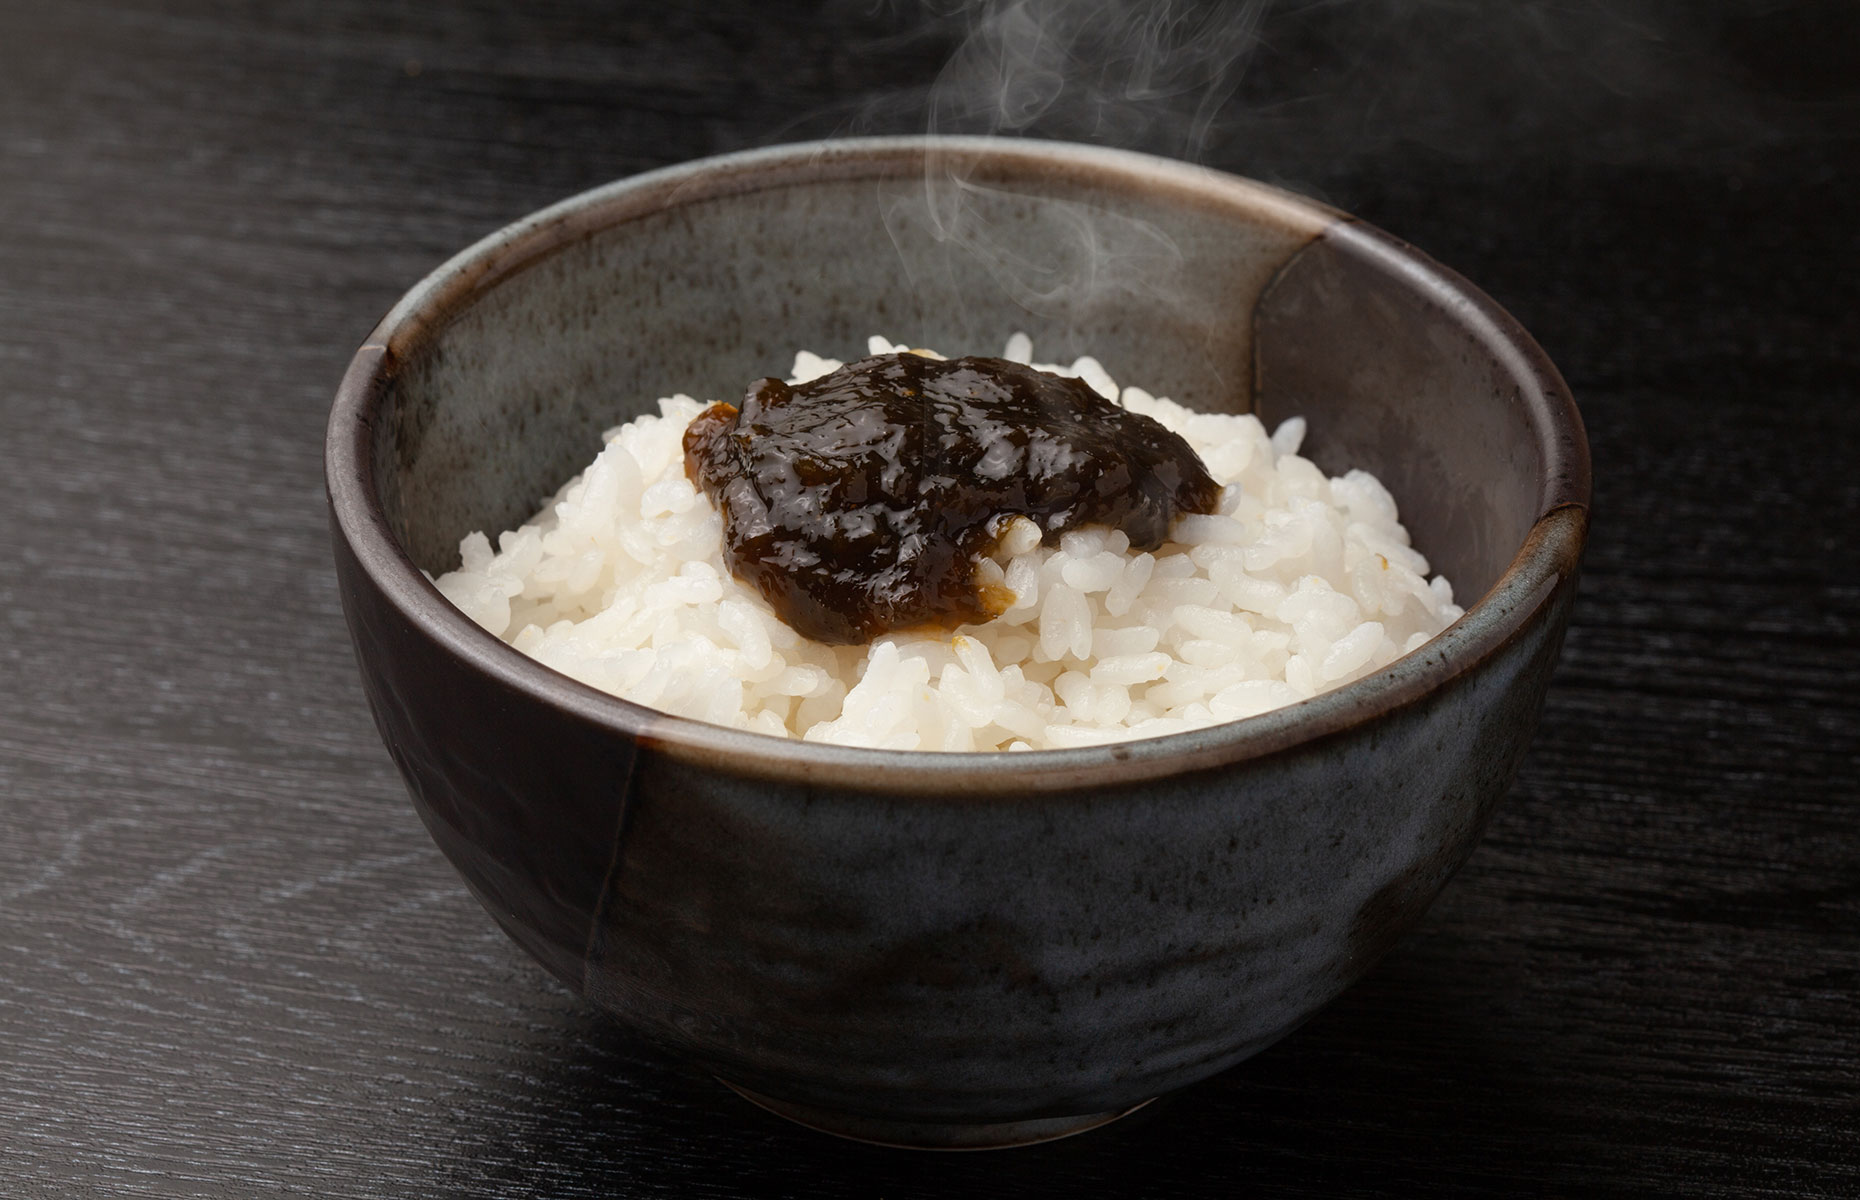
[{"x": 231, "y": 961}]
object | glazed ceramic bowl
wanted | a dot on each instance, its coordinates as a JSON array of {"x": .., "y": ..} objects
[{"x": 953, "y": 949}]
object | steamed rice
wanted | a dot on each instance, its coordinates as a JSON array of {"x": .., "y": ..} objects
[{"x": 1297, "y": 584}]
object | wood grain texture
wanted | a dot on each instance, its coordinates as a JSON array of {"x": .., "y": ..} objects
[{"x": 232, "y": 963}]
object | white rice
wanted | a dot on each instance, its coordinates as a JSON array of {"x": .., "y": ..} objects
[{"x": 1298, "y": 584}]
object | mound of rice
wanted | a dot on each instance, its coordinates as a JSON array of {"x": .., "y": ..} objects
[{"x": 1299, "y": 583}]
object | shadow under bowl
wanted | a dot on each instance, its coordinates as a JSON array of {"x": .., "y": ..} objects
[{"x": 953, "y": 949}]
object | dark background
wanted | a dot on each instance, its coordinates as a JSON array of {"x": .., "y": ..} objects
[{"x": 231, "y": 961}]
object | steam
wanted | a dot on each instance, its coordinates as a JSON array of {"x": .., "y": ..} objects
[
  {"x": 1140, "y": 74},
  {"x": 1149, "y": 75}
]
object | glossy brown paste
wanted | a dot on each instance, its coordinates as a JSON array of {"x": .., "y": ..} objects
[{"x": 857, "y": 503}]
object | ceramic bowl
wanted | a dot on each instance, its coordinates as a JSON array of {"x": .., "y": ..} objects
[{"x": 953, "y": 949}]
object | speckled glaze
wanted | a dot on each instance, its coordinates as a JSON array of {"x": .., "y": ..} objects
[{"x": 923, "y": 947}]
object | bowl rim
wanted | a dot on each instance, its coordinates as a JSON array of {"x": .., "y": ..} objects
[{"x": 1544, "y": 565}]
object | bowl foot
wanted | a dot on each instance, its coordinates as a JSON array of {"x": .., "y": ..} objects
[{"x": 932, "y": 1135}]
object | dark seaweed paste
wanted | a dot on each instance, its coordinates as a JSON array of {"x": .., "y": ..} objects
[{"x": 856, "y": 504}]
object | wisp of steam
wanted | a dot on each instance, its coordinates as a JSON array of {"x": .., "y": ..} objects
[{"x": 1148, "y": 75}]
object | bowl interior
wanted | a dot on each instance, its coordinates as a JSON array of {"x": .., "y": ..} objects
[{"x": 1219, "y": 293}]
